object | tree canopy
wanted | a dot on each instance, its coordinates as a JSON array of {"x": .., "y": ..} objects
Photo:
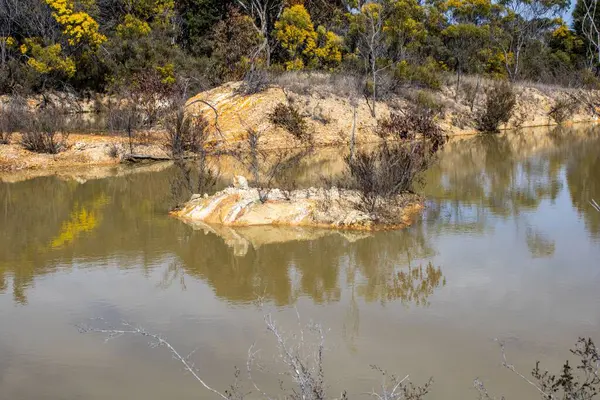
[{"x": 93, "y": 45}]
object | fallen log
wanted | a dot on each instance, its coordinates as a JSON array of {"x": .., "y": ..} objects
[{"x": 133, "y": 158}]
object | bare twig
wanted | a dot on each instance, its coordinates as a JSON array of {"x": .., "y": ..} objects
[
  {"x": 158, "y": 341},
  {"x": 217, "y": 127},
  {"x": 512, "y": 368}
]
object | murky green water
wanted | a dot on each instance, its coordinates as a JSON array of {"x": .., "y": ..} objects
[{"x": 513, "y": 242}]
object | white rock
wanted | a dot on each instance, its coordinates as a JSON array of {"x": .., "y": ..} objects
[{"x": 240, "y": 182}]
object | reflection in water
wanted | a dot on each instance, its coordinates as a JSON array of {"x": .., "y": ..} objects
[
  {"x": 414, "y": 285},
  {"x": 539, "y": 245},
  {"x": 510, "y": 175},
  {"x": 83, "y": 218},
  {"x": 509, "y": 221},
  {"x": 476, "y": 182}
]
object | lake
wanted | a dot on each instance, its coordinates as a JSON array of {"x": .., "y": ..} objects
[{"x": 508, "y": 249}]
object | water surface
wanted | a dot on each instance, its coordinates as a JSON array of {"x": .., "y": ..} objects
[{"x": 509, "y": 248}]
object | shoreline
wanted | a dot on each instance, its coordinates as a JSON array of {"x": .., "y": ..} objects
[
  {"x": 90, "y": 151},
  {"x": 327, "y": 115}
]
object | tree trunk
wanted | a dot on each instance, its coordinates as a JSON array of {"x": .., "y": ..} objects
[
  {"x": 353, "y": 137},
  {"x": 457, "y": 82},
  {"x": 374, "y": 72}
]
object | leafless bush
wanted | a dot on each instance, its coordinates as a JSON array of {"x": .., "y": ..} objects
[
  {"x": 470, "y": 93},
  {"x": 411, "y": 122},
  {"x": 300, "y": 357},
  {"x": 393, "y": 388},
  {"x": 12, "y": 118},
  {"x": 138, "y": 106},
  {"x": 582, "y": 384},
  {"x": 255, "y": 81},
  {"x": 113, "y": 150},
  {"x": 381, "y": 175},
  {"x": 270, "y": 168},
  {"x": 184, "y": 132},
  {"x": 319, "y": 116},
  {"x": 44, "y": 131},
  {"x": 562, "y": 109},
  {"x": 498, "y": 107},
  {"x": 289, "y": 118},
  {"x": 126, "y": 117}
]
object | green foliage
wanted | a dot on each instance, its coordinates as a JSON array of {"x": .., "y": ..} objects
[
  {"x": 234, "y": 41},
  {"x": 427, "y": 74},
  {"x": 47, "y": 59},
  {"x": 94, "y": 45},
  {"x": 133, "y": 28}
]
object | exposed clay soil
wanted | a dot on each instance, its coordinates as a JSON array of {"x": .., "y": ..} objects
[
  {"x": 329, "y": 116},
  {"x": 82, "y": 150}
]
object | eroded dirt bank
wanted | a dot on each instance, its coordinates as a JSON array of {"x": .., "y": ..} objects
[{"x": 329, "y": 115}]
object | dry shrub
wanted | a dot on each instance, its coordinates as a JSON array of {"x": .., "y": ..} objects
[
  {"x": 306, "y": 83},
  {"x": 470, "y": 92},
  {"x": 44, "y": 131},
  {"x": 381, "y": 175},
  {"x": 113, "y": 150},
  {"x": 184, "y": 132},
  {"x": 461, "y": 119},
  {"x": 498, "y": 108},
  {"x": 255, "y": 81},
  {"x": 393, "y": 169},
  {"x": 12, "y": 117},
  {"x": 562, "y": 109},
  {"x": 126, "y": 117},
  {"x": 408, "y": 124},
  {"x": 289, "y": 118}
]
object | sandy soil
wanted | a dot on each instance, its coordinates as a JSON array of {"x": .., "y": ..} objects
[
  {"x": 82, "y": 150},
  {"x": 329, "y": 117}
]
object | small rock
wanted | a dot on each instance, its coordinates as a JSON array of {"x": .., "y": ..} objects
[
  {"x": 205, "y": 195},
  {"x": 240, "y": 182},
  {"x": 195, "y": 197}
]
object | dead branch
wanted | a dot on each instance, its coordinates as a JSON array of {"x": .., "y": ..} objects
[
  {"x": 157, "y": 341},
  {"x": 214, "y": 110}
]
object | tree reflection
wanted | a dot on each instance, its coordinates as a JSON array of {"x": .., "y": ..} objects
[
  {"x": 539, "y": 245},
  {"x": 48, "y": 223},
  {"x": 583, "y": 178},
  {"x": 410, "y": 286}
]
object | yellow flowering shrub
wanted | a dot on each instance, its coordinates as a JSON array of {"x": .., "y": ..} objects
[
  {"x": 78, "y": 26},
  {"x": 46, "y": 59},
  {"x": 133, "y": 27},
  {"x": 167, "y": 74},
  {"x": 8, "y": 41},
  {"x": 305, "y": 46},
  {"x": 329, "y": 51}
]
